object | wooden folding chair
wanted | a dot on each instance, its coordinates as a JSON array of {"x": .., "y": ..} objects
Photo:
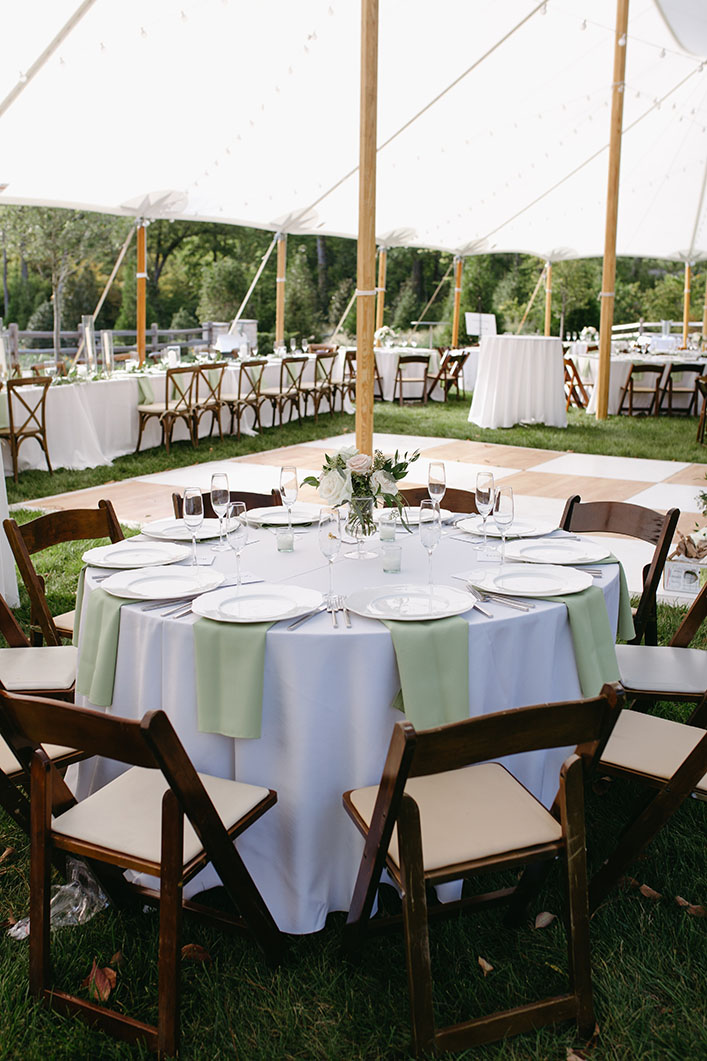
[
  {"x": 160, "y": 818},
  {"x": 322, "y": 388},
  {"x": 454, "y": 500},
  {"x": 26, "y": 415},
  {"x": 252, "y": 500},
  {"x": 675, "y": 383},
  {"x": 347, "y": 385},
  {"x": 635, "y": 385},
  {"x": 250, "y": 379},
  {"x": 207, "y": 397},
  {"x": 402, "y": 379},
  {"x": 179, "y": 401},
  {"x": 633, "y": 521},
  {"x": 443, "y": 811},
  {"x": 575, "y": 389},
  {"x": 77, "y": 524},
  {"x": 450, "y": 373},
  {"x": 701, "y": 385},
  {"x": 289, "y": 391}
]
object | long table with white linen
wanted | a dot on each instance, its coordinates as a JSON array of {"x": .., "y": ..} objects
[
  {"x": 588, "y": 367},
  {"x": 327, "y": 714},
  {"x": 387, "y": 358},
  {"x": 520, "y": 379}
]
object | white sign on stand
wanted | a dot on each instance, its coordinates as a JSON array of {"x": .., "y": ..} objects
[{"x": 480, "y": 323}]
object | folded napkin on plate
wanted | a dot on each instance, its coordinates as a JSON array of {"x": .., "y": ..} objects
[
  {"x": 593, "y": 641},
  {"x": 99, "y": 647},
  {"x": 230, "y": 663},
  {"x": 433, "y": 664}
]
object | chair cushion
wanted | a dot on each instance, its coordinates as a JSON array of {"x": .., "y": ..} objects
[
  {"x": 37, "y": 669},
  {"x": 65, "y": 621},
  {"x": 469, "y": 814},
  {"x": 651, "y": 745},
  {"x": 126, "y": 814},
  {"x": 662, "y": 669},
  {"x": 9, "y": 764},
  {"x": 156, "y": 408}
]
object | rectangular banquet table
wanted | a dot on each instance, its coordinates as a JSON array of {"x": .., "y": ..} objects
[
  {"x": 588, "y": 368},
  {"x": 327, "y": 714},
  {"x": 520, "y": 379}
]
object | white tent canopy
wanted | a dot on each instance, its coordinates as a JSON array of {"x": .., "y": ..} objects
[{"x": 493, "y": 118}]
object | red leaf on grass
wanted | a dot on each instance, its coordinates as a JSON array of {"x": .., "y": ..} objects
[
  {"x": 117, "y": 960},
  {"x": 100, "y": 982},
  {"x": 195, "y": 953},
  {"x": 628, "y": 882},
  {"x": 649, "y": 892},
  {"x": 485, "y": 966},
  {"x": 7, "y": 853},
  {"x": 574, "y": 1055},
  {"x": 544, "y": 919}
]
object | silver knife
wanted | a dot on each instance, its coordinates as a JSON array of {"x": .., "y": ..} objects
[{"x": 306, "y": 616}]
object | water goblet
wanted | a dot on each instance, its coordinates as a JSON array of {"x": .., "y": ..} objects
[
  {"x": 220, "y": 497},
  {"x": 293, "y": 345},
  {"x": 503, "y": 514},
  {"x": 430, "y": 532},
  {"x": 436, "y": 481},
  {"x": 237, "y": 534},
  {"x": 330, "y": 543},
  {"x": 305, "y": 346},
  {"x": 485, "y": 499},
  {"x": 193, "y": 514},
  {"x": 288, "y": 490}
]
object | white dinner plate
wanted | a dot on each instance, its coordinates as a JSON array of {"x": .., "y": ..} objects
[
  {"x": 162, "y": 583},
  {"x": 524, "y": 580},
  {"x": 520, "y": 528},
  {"x": 412, "y": 514},
  {"x": 263, "y": 603},
  {"x": 276, "y": 515},
  {"x": 409, "y": 603},
  {"x": 556, "y": 551},
  {"x": 130, "y": 553},
  {"x": 176, "y": 530}
]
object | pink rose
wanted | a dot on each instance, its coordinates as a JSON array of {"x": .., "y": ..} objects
[{"x": 359, "y": 464}]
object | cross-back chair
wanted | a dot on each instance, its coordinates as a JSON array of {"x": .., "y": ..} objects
[
  {"x": 27, "y": 416},
  {"x": 289, "y": 391},
  {"x": 250, "y": 379},
  {"x": 450, "y": 373},
  {"x": 179, "y": 402},
  {"x": 443, "y": 811},
  {"x": 72, "y": 525},
  {"x": 636, "y": 385},
  {"x": 42, "y": 368},
  {"x": 160, "y": 817},
  {"x": 420, "y": 364},
  {"x": 676, "y": 383},
  {"x": 455, "y": 500},
  {"x": 207, "y": 397},
  {"x": 575, "y": 390},
  {"x": 322, "y": 388},
  {"x": 347, "y": 385},
  {"x": 251, "y": 498},
  {"x": 633, "y": 521}
]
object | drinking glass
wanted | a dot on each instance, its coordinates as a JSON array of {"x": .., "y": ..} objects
[
  {"x": 305, "y": 346},
  {"x": 237, "y": 534},
  {"x": 430, "y": 532},
  {"x": 293, "y": 345},
  {"x": 220, "y": 498},
  {"x": 436, "y": 481},
  {"x": 288, "y": 490},
  {"x": 193, "y": 513},
  {"x": 503, "y": 514},
  {"x": 330, "y": 544},
  {"x": 485, "y": 498},
  {"x": 360, "y": 524}
]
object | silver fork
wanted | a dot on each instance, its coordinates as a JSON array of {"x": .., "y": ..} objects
[{"x": 494, "y": 598}]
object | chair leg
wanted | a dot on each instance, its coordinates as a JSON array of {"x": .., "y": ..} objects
[
  {"x": 534, "y": 876},
  {"x": 40, "y": 870},
  {"x": 572, "y": 806},
  {"x": 141, "y": 428},
  {"x": 170, "y": 925},
  {"x": 417, "y": 946}
]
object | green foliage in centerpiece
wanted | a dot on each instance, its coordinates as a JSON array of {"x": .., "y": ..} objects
[{"x": 349, "y": 475}]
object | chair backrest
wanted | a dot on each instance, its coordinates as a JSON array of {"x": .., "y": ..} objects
[
  {"x": 291, "y": 372},
  {"x": 692, "y": 621},
  {"x": 10, "y": 628},
  {"x": 414, "y": 359},
  {"x": 27, "y": 410},
  {"x": 41, "y": 369},
  {"x": 179, "y": 384},
  {"x": 324, "y": 366},
  {"x": 455, "y": 500},
  {"x": 210, "y": 381},
  {"x": 316, "y": 348},
  {"x": 350, "y": 366},
  {"x": 250, "y": 378},
  {"x": 252, "y": 500}
]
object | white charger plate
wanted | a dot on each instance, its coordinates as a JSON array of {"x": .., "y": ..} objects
[
  {"x": 276, "y": 515},
  {"x": 536, "y": 580},
  {"x": 412, "y": 514},
  {"x": 130, "y": 554},
  {"x": 556, "y": 551},
  {"x": 175, "y": 530},
  {"x": 409, "y": 603},
  {"x": 267, "y": 602},
  {"x": 520, "y": 528},
  {"x": 162, "y": 583}
]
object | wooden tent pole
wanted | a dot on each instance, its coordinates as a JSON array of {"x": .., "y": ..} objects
[
  {"x": 141, "y": 314},
  {"x": 704, "y": 317},
  {"x": 548, "y": 299},
  {"x": 366, "y": 273},
  {"x": 280, "y": 292},
  {"x": 380, "y": 303},
  {"x": 458, "y": 267},
  {"x": 532, "y": 299},
  {"x": 608, "y": 277},
  {"x": 686, "y": 305}
]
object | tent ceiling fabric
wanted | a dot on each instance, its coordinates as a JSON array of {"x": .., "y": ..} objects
[{"x": 247, "y": 113}]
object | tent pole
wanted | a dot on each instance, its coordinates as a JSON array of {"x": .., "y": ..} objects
[
  {"x": 686, "y": 305},
  {"x": 251, "y": 289},
  {"x": 548, "y": 299},
  {"x": 608, "y": 277},
  {"x": 380, "y": 304},
  {"x": 704, "y": 317},
  {"x": 366, "y": 272},
  {"x": 280, "y": 293},
  {"x": 531, "y": 300},
  {"x": 141, "y": 274},
  {"x": 458, "y": 268}
]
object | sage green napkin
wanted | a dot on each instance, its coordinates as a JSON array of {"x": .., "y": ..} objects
[
  {"x": 433, "y": 664},
  {"x": 593, "y": 640},
  {"x": 230, "y": 665},
  {"x": 78, "y": 605},
  {"x": 99, "y": 647},
  {"x": 146, "y": 395},
  {"x": 624, "y": 628}
]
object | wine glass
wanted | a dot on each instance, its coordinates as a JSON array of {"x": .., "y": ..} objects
[
  {"x": 436, "y": 481},
  {"x": 293, "y": 344},
  {"x": 237, "y": 534},
  {"x": 220, "y": 497},
  {"x": 330, "y": 543},
  {"x": 288, "y": 490},
  {"x": 485, "y": 498},
  {"x": 305, "y": 346},
  {"x": 430, "y": 532},
  {"x": 503, "y": 514},
  {"x": 193, "y": 513}
]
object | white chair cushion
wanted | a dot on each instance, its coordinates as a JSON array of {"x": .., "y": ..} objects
[
  {"x": 126, "y": 814},
  {"x": 469, "y": 814},
  {"x": 37, "y": 669},
  {"x": 651, "y": 745},
  {"x": 662, "y": 669},
  {"x": 9, "y": 764},
  {"x": 65, "y": 620}
]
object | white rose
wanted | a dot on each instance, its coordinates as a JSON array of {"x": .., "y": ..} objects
[
  {"x": 384, "y": 483},
  {"x": 360, "y": 463},
  {"x": 347, "y": 452},
  {"x": 335, "y": 487}
]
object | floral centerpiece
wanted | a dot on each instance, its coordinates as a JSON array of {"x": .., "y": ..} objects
[{"x": 353, "y": 477}]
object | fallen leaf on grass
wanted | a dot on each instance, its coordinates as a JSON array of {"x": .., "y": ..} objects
[
  {"x": 649, "y": 892},
  {"x": 117, "y": 960},
  {"x": 100, "y": 982},
  {"x": 691, "y": 908},
  {"x": 195, "y": 953},
  {"x": 7, "y": 853},
  {"x": 629, "y": 882},
  {"x": 544, "y": 919},
  {"x": 574, "y": 1055},
  {"x": 485, "y": 966}
]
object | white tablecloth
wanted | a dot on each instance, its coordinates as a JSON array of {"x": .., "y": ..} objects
[
  {"x": 520, "y": 378},
  {"x": 327, "y": 717},
  {"x": 8, "y": 574},
  {"x": 588, "y": 368}
]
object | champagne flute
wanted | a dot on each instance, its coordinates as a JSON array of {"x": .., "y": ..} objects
[
  {"x": 193, "y": 513},
  {"x": 503, "y": 514},
  {"x": 237, "y": 534},
  {"x": 430, "y": 532},
  {"x": 436, "y": 481},
  {"x": 220, "y": 497},
  {"x": 288, "y": 490},
  {"x": 485, "y": 498},
  {"x": 330, "y": 544}
]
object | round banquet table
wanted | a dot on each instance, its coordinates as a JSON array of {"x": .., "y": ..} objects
[
  {"x": 327, "y": 715},
  {"x": 520, "y": 378}
]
